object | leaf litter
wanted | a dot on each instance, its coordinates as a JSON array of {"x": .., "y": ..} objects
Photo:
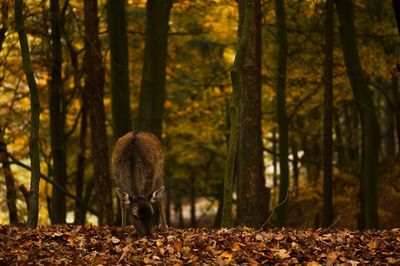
[{"x": 90, "y": 245}]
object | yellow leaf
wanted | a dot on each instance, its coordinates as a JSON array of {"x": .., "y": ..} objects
[
  {"x": 283, "y": 254},
  {"x": 226, "y": 255},
  {"x": 313, "y": 263},
  {"x": 372, "y": 245},
  {"x": 279, "y": 237}
]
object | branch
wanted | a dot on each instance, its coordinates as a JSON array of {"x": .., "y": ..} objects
[{"x": 48, "y": 180}]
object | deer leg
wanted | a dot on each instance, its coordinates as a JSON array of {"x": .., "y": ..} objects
[
  {"x": 123, "y": 213},
  {"x": 162, "y": 213},
  {"x": 124, "y": 202}
]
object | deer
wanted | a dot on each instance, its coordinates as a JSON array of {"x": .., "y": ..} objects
[{"x": 138, "y": 170}]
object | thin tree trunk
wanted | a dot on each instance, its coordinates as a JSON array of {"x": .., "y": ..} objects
[
  {"x": 11, "y": 194},
  {"x": 94, "y": 90},
  {"x": 80, "y": 169},
  {"x": 152, "y": 93},
  {"x": 295, "y": 165},
  {"x": 366, "y": 108},
  {"x": 33, "y": 212},
  {"x": 281, "y": 113},
  {"x": 274, "y": 159},
  {"x": 339, "y": 141},
  {"x": 328, "y": 212},
  {"x": 57, "y": 120},
  {"x": 192, "y": 200}
]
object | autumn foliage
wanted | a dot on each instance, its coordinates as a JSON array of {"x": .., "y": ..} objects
[{"x": 92, "y": 245}]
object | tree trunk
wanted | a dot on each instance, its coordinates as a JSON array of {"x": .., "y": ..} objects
[
  {"x": 295, "y": 165},
  {"x": 152, "y": 93},
  {"x": 252, "y": 196},
  {"x": 328, "y": 212},
  {"x": 33, "y": 212},
  {"x": 366, "y": 108},
  {"x": 57, "y": 120},
  {"x": 80, "y": 169},
  {"x": 274, "y": 159},
  {"x": 94, "y": 90},
  {"x": 388, "y": 125},
  {"x": 281, "y": 113},
  {"x": 192, "y": 200},
  {"x": 120, "y": 99},
  {"x": 11, "y": 194},
  {"x": 396, "y": 8},
  {"x": 396, "y": 105},
  {"x": 121, "y": 111},
  {"x": 4, "y": 7}
]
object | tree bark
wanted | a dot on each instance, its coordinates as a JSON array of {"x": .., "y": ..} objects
[
  {"x": 80, "y": 169},
  {"x": 152, "y": 93},
  {"x": 192, "y": 200},
  {"x": 396, "y": 105},
  {"x": 33, "y": 212},
  {"x": 57, "y": 119},
  {"x": 121, "y": 111},
  {"x": 4, "y": 22},
  {"x": 252, "y": 196},
  {"x": 328, "y": 211},
  {"x": 366, "y": 109},
  {"x": 283, "y": 123},
  {"x": 11, "y": 194},
  {"x": 94, "y": 91}
]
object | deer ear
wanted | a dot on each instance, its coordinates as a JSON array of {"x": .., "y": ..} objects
[
  {"x": 157, "y": 195},
  {"x": 124, "y": 197}
]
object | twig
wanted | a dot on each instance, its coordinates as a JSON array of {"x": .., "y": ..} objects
[
  {"x": 273, "y": 211},
  {"x": 335, "y": 222},
  {"x": 15, "y": 161}
]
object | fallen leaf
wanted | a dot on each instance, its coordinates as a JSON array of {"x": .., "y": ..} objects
[{"x": 115, "y": 240}]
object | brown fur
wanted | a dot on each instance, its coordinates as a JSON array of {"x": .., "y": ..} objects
[{"x": 138, "y": 165}]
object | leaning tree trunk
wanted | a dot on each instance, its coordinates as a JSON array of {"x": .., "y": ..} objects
[
  {"x": 57, "y": 120},
  {"x": 33, "y": 212},
  {"x": 283, "y": 123},
  {"x": 94, "y": 91},
  {"x": 327, "y": 216},
  {"x": 366, "y": 109},
  {"x": 252, "y": 196},
  {"x": 152, "y": 94}
]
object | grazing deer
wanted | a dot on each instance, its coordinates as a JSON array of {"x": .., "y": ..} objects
[{"x": 138, "y": 164}]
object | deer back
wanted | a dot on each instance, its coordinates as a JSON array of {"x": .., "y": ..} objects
[{"x": 138, "y": 163}]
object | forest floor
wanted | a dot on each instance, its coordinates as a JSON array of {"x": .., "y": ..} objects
[{"x": 77, "y": 245}]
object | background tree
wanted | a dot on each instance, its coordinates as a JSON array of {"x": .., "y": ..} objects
[
  {"x": 33, "y": 211},
  {"x": 252, "y": 198},
  {"x": 94, "y": 86},
  {"x": 152, "y": 93},
  {"x": 328, "y": 213},
  {"x": 283, "y": 123},
  {"x": 120, "y": 100},
  {"x": 57, "y": 119},
  {"x": 369, "y": 124}
]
